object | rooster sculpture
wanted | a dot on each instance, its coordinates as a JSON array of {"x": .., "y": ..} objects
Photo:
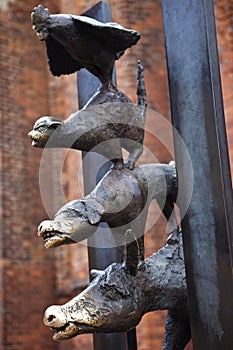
[{"x": 75, "y": 42}]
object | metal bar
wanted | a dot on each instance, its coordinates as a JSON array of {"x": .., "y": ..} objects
[
  {"x": 94, "y": 167},
  {"x": 197, "y": 114}
]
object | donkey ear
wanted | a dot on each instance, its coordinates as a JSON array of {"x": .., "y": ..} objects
[
  {"x": 94, "y": 211},
  {"x": 93, "y": 217}
]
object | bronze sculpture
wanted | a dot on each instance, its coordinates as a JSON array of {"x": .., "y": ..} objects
[
  {"x": 118, "y": 199},
  {"x": 75, "y": 42},
  {"x": 107, "y": 123},
  {"x": 118, "y": 297}
]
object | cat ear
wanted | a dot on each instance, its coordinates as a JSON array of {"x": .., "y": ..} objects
[
  {"x": 95, "y": 273},
  {"x": 93, "y": 211}
]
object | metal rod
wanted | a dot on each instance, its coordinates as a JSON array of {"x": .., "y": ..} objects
[
  {"x": 100, "y": 258},
  {"x": 197, "y": 114}
]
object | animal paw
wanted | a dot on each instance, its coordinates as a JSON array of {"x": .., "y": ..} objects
[{"x": 129, "y": 165}]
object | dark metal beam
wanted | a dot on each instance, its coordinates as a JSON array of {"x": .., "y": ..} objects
[
  {"x": 94, "y": 167},
  {"x": 197, "y": 114}
]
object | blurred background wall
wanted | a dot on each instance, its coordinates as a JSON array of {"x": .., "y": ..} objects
[{"x": 31, "y": 277}]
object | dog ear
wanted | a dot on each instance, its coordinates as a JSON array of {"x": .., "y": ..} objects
[
  {"x": 93, "y": 211},
  {"x": 79, "y": 207}
]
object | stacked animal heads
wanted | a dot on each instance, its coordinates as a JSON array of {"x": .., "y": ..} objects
[{"x": 108, "y": 123}]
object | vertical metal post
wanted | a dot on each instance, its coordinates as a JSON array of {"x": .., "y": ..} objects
[
  {"x": 197, "y": 114},
  {"x": 100, "y": 258}
]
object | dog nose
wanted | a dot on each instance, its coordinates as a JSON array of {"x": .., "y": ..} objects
[{"x": 44, "y": 226}]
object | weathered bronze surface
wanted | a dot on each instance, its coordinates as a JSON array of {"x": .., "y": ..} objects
[
  {"x": 117, "y": 299},
  {"x": 75, "y": 42},
  {"x": 108, "y": 122},
  {"x": 118, "y": 199}
]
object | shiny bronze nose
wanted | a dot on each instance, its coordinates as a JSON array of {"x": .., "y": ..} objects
[
  {"x": 30, "y": 134},
  {"x": 54, "y": 317}
]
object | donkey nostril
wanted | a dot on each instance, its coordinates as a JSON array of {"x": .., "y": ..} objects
[{"x": 51, "y": 318}]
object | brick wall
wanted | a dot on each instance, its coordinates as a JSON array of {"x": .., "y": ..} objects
[
  {"x": 27, "y": 270},
  {"x": 224, "y": 24},
  {"x": 31, "y": 278}
]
